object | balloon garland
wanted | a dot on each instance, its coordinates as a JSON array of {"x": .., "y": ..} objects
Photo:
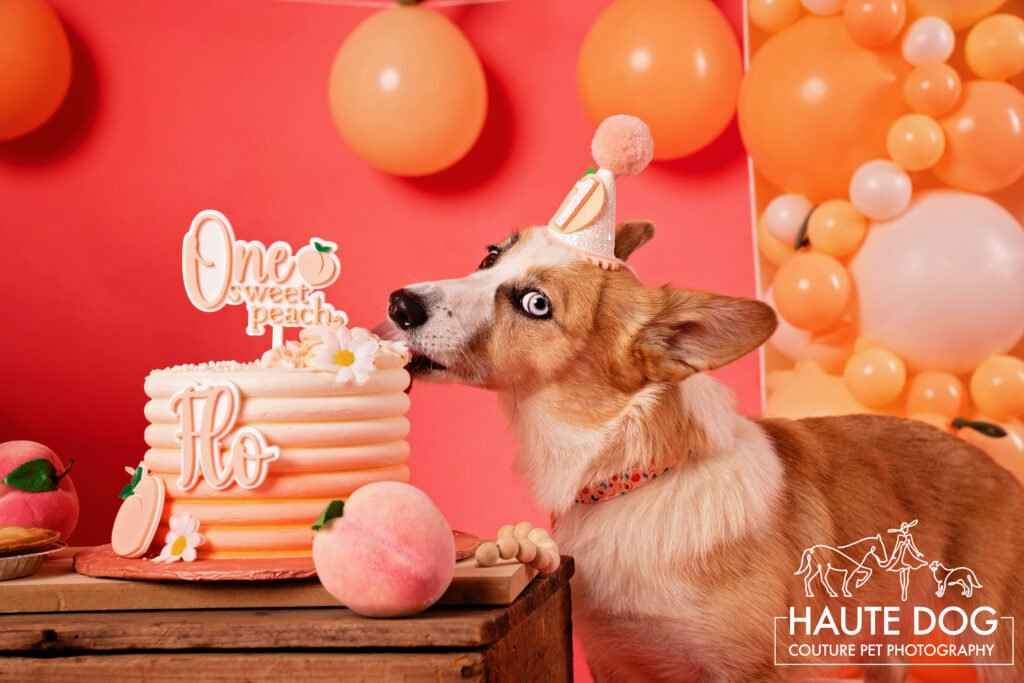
[
  {"x": 407, "y": 91},
  {"x": 894, "y": 301}
]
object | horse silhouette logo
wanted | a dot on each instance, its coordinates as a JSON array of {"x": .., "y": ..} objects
[
  {"x": 945, "y": 577},
  {"x": 850, "y": 561},
  {"x": 821, "y": 561}
]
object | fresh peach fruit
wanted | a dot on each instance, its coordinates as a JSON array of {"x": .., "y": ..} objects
[
  {"x": 38, "y": 494},
  {"x": 386, "y": 552}
]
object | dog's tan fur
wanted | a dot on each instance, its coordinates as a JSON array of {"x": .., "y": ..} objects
[{"x": 681, "y": 579}]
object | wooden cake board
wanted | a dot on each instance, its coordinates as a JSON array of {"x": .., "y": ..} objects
[{"x": 56, "y": 587}]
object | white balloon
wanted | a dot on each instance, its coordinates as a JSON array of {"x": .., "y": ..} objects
[
  {"x": 785, "y": 215},
  {"x": 929, "y": 39},
  {"x": 942, "y": 285},
  {"x": 880, "y": 189},
  {"x": 792, "y": 342}
]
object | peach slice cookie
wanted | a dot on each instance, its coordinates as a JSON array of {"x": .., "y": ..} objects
[{"x": 139, "y": 516}]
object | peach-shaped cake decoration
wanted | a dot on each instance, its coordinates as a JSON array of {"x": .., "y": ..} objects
[{"x": 137, "y": 520}]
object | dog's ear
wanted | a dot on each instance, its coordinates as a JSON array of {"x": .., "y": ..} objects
[
  {"x": 630, "y": 236},
  {"x": 695, "y": 331}
]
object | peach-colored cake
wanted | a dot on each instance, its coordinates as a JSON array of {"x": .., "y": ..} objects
[{"x": 255, "y": 451}]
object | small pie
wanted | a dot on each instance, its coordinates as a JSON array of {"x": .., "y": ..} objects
[{"x": 20, "y": 539}]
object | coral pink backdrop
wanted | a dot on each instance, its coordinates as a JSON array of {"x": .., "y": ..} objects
[{"x": 178, "y": 107}]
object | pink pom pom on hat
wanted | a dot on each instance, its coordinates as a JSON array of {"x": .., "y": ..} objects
[{"x": 585, "y": 222}]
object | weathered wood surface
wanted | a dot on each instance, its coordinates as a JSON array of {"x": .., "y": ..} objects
[
  {"x": 57, "y": 588},
  {"x": 278, "y": 629},
  {"x": 438, "y": 667}
]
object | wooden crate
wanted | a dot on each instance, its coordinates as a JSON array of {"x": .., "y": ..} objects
[{"x": 528, "y": 640}]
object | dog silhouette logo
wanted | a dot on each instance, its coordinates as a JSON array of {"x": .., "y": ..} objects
[
  {"x": 945, "y": 577},
  {"x": 857, "y": 562}
]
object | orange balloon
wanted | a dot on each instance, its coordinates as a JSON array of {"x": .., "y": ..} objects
[
  {"x": 771, "y": 248},
  {"x": 873, "y": 23},
  {"x": 407, "y": 92},
  {"x": 984, "y": 138},
  {"x": 935, "y": 420},
  {"x": 938, "y": 393},
  {"x": 876, "y": 376},
  {"x": 959, "y": 13},
  {"x": 932, "y": 89},
  {"x": 35, "y": 66},
  {"x": 832, "y": 348},
  {"x": 1007, "y": 451},
  {"x": 915, "y": 142},
  {"x": 773, "y": 15},
  {"x": 997, "y": 387},
  {"x": 674, "y": 63},
  {"x": 836, "y": 228},
  {"x": 812, "y": 291},
  {"x": 995, "y": 47},
  {"x": 815, "y": 105}
]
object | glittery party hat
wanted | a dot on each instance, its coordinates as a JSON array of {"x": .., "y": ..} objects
[{"x": 585, "y": 222}]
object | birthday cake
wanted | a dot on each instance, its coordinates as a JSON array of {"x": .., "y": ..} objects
[{"x": 244, "y": 457}]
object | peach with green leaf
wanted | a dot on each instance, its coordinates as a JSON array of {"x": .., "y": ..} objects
[
  {"x": 385, "y": 552},
  {"x": 317, "y": 263},
  {"x": 35, "y": 489}
]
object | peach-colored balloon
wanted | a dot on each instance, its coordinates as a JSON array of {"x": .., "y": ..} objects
[
  {"x": 407, "y": 91},
  {"x": 880, "y": 189},
  {"x": 995, "y": 47},
  {"x": 832, "y": 348},
  {"x": 959, "y": 13},
  {"x": 836, "y": 228},
  {"x": 935, "y": 420},
  {"x": 35, "y": 66},
  {"x": 808, "y": 391},
  {"x": 876, "y": 376},
  {"x": 773, "y": 15},
  {"x": 929, "y": 39},
  {"x": 823, "y": 8},
  {"x": 873, "y": 23},
  {"x": 984, "y": 138},
  {"x": 937, "y": 393},
  {"x": 916, "y": 141},
  {"x": 788, "y": 340},
  {"x": 676, "y": 65},
  {"x": 932, "y": 89},
  {"x": 785, "y": 215},
  {"x": 997, "y": 387},
  {"x": 1007, "y": 451},
  {"x": 815, "y": 105},
  {"x": 771, "y": 248},
  {"x": 812, "y": 291}
]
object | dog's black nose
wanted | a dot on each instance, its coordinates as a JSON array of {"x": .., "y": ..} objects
[{"x": 407, "y": 309}]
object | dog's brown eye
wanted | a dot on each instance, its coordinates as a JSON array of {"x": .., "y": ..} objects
[{"x": 490, "y": 259}]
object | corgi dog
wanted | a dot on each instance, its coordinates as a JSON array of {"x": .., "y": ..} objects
[{"x": 683, "y": 578}]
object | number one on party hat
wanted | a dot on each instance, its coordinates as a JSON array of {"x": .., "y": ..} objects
[
  {"x": 585, "y": 222},
  {"x": 277, "y": 287}
]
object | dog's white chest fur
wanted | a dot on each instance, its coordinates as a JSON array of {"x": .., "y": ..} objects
[{"x": 641, "y": 557}]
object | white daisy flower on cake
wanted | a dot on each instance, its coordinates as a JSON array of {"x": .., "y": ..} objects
[
  {"x": 347, "y": 353},
  {"x": 182, "y": 540}
]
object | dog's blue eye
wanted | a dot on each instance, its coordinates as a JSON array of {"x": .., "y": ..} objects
[{"x": 536, "y": 305}]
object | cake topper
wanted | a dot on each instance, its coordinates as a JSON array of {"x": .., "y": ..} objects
[{"x": 277, "y": 287}]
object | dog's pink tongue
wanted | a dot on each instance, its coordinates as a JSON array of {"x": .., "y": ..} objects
[{"x": 389, "y": 331}]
